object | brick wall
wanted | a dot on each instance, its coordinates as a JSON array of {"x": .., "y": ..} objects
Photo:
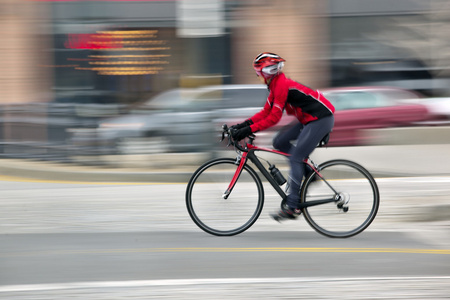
[{"x": 24, "y": 60}]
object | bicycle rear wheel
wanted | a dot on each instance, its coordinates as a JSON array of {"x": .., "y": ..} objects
[
  {"x": 356, "y": 199},
  {"x": 216, "y": 215}
]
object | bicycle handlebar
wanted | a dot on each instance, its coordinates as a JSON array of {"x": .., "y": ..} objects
[{"x": 228, "y": 132}]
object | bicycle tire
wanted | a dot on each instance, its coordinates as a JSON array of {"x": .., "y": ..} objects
[
  {"x": 356, "y": 202},
  {"x": 216, "y": 215}
]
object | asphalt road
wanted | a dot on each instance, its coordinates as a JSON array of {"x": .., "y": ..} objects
[
  {"x": 63, "y": 240},
  {"x": 77, "y": 257}
]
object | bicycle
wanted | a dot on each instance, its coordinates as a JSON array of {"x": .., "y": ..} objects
[{"x": 225, "y": 196}]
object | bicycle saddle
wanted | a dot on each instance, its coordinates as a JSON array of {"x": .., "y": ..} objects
[{"x": 324, "y": 140}]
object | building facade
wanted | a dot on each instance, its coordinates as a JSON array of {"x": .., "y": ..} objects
[{"x": 127, "y": 51}]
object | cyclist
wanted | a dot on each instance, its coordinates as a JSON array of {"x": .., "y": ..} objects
[{"x": 312, "y": 110}]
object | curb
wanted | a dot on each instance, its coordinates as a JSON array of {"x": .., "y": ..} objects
[{"x": 50, "y": 171}]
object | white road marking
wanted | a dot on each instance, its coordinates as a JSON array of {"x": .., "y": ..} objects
[{"x": 186, "y": 282}]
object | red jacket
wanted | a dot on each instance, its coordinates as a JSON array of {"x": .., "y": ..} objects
[{"x": 298, "y": 100}]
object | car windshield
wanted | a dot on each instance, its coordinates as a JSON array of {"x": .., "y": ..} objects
[
  {"x": 360, "y": 99},
  {"x": 206, "y": 99},
  {"x": 249, "y": 97},
  {"x": 170, "y": 100}
]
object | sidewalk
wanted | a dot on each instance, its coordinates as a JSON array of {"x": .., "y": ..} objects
[{"x": 381, "y": 161}]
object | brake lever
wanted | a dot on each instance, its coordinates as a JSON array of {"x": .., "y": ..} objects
[{"x": 224, "y": 129}]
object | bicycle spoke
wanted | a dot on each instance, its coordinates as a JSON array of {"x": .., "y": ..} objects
[
  {"x": 219, "y": 216},
  {"x": 356, "y": 202}
]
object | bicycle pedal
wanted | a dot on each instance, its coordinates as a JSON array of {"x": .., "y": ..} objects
[{"x": 276, "y": 218}]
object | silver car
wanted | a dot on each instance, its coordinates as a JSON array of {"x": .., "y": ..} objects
[{"x": 180, "y": 120}]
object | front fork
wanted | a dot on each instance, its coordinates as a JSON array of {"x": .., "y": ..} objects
[{"x": 241, "y": 160}]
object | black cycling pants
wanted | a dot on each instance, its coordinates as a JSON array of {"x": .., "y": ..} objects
[{"x": 306, "y": 138}]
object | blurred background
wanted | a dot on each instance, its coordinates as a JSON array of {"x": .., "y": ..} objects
[
  {"x": 87, "y": 79},
  {"x": 98, "y": 94}
]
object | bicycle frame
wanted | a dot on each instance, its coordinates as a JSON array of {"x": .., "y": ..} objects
[{"x": 248, "y": 153}]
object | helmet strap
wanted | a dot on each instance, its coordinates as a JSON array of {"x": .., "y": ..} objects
[{"x": 269, "y": 79}]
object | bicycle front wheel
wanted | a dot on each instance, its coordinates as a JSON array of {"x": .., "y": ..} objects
[
  {"x": 216, "y": 215},
  {"x": 355, "y": 198}
]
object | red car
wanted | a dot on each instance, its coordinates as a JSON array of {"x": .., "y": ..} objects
[
  {"x": 357, "y": 109},
  {"x": 362, "y": 108}
]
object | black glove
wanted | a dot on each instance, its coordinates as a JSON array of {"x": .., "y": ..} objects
[
  {"x": 241, "y": 133},
  {"x": 242, "y": 125}
]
